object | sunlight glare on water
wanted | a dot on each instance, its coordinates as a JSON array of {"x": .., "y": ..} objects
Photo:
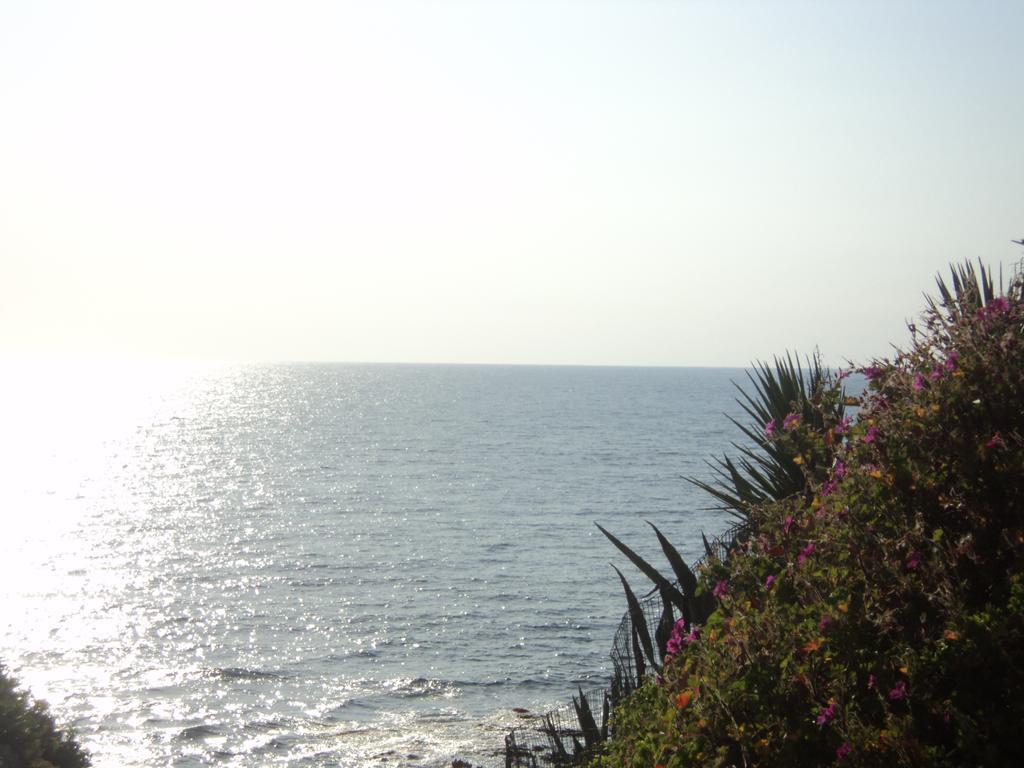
[{"x": 329, "y": 564}]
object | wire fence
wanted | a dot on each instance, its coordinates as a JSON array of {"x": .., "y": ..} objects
[{"x": 569, "y": 735}]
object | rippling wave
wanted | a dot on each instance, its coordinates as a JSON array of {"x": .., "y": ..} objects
[{"x": 331, "y": 564}]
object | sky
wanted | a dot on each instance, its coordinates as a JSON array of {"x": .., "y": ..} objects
[{"x": 598, "y": 183}]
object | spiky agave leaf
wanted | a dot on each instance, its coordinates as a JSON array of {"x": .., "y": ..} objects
[
  {"x": 605, "y": 711},
  {"x": 638, "y": 655},
  {"x": 585, "y": 716},
  {"x": 577, "y": 749},
  {"x": 707, "y": 546},
  {"x": 558, "y": 751},
  {"x": 648, "y": 570},
  {"x": 620, "y": 688},
  {"x": 663, "y": 631},
  {"x": 971, "y": 291},
  {"x": 686, "y": 578},
  {"x": 637, "y": 619}
]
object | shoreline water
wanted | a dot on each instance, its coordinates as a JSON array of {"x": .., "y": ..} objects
[{"x": 329, "y": 534}]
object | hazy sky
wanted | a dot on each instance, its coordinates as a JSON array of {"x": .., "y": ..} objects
[{"x": 668, "y": 183}]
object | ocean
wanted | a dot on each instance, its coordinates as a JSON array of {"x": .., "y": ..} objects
[{"x": 333, "y": 564}]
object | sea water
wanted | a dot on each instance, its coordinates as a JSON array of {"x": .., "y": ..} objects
[{"x": 333, "y": 565}]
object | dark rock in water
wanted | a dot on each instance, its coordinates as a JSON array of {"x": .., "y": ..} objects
[{"x": 199, "y": 732}]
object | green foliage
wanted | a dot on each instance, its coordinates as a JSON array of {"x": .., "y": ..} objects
[
  {"x": 28, "y": 736},
  {"x": 877, "y": 618}
]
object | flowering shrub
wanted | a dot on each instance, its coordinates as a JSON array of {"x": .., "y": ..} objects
[{"x": 878, "y": 618}]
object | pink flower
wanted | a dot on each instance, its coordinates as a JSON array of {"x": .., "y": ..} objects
[
  {"x": 769, "y": 429},
  {"x": 913, "y": 562},
  {"x": 787, "y": 524},
  {"x": 918, "y": 384},
  {"x": 675, "y": 640},
  {"x": 825, "y": 621},
  {"x": 937, "y": 373},
  {"x": 791, "y": 422},
  {"x": 997, "y": 306},
  {"x": 842, "y": 427},
  {"x": 721, "y": 589},
  {"x": 871, "y": 435},
  {"x": 841, "y": 374},
  {"x": 951, "y": 360},
  {"x": 839, "y": 470},
  {"x": 769, "y": 581},
  {"x": 872, "y": 682},
  {"x": 827, "y": 714},
  {"x": 899, "y": 692},
  {"x": 871, "y": 372},
  {"x": 996, "y": 441},
  {"x": 843, "y": 750},
  {"x": 805, "y": 553}
]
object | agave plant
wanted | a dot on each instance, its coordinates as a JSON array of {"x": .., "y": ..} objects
[
  {"x": 765, "y": 470},
  {"x": 678, "y": 597},
  {"x": 971, "y": 291}
]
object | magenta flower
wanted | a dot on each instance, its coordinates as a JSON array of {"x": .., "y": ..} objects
[
  {"x": 674, "y": 645},
  {"x": 993, "y": 308},
  {"x": 787, "y": 524},
  {"x": 996, "y": 441},
  {"x": 937, "y": 373},
  {"x": 769, "y": 429},
  {"x": 871, "y": 435},
  {"x": 677, "y": 639},
  {"x": 872, "y": 682},
  {"x": 842, "y": 427},
  {"x": 839, "y": 470},
  {"x": 918, "y": 384},
  {"x": 769, "y": 581},
  {"x": 825, "y": 621},
  {"x": 805, "y": 553},
  {"x": 721, "y": 589},
  {"x": 997, "y": 306},
  {"x": 827, "y": 714},
  {"x": 913, "y": 562},
  {"x": 841, "y": 374},
  {"x": 843, "y": 750},
  {"x": 951, "y": 360},
  {"x": 899, "y": 692},
  {"x": 791, "y": 422},
  {"x": 828, "y": 488},
  {"x": 871, "y": 372}
]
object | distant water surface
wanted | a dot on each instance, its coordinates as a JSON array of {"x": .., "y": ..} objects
[{"x": 332, "y": 565}]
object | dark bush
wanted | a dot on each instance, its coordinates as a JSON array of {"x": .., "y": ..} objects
[{"x": 29, "y": 738}]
